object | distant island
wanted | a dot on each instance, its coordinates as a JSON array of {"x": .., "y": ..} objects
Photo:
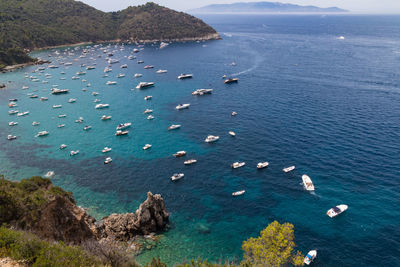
[
  {"x": 30, "y": 24},
  {"x": 264, "y": 7}
]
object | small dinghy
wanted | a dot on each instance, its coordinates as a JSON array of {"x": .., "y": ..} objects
[
  {"x": 232, "y": 133},
  {"x": 238, "y": 193},
  {"x": 311, "y": 255},
  {"x": 335, "y": 211},
  {"x": 177, "y": 176},
  {"x": 308, "y": 184}
]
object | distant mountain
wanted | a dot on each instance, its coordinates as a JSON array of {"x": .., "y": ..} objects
[{"x": 263, "y": 7}]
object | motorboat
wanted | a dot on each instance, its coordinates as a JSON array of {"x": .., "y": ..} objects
[
  {"x": 140, "y": 62},
  {"x": 57, "y": 106},
  {"x": 73, "y": 153},
  {"x": 234, "y": 113},
  {"x": 32, "y": 96},
  {"x": 335, "y": 211},
  {"x": 90, "y": 67},
  {"x": 79, "y": 120},
  {"x": 236, "y": 165},
  {"x": 182, "y": 106},
  {"x": 75, "y": 78},
  {"x": 311, "y": 255},
  {"x": 148, "y": 97},
  {"x": 185, "y": 76},
  {"x": 107, "y": 70},
  {"x": 87, "y": 127},
  {"x": 177, "y": 176},
  {"x": 150, "y": 117},
  {"x": 135, "y": 50},
  {"x": 120, "y": 133},
  {"x": 124, "y": 66},
  {"x": 53, "y": 67},
  {"x": 202, "y": 91},
  {"x": 113, "y": 61},
  {"x": 56, "y": 91},
  {"x": 289, "y": 169},
  {"x": 106, "y": 149},
  {"x": 96, "y": 100},
  {"x": 71, "y": 100},
  {"x": 62, "y": 115},
  {"x": 13, "y": 100},
  {"x": 49, "y": 174},
  {"x": 63, "y": 146},
  {"x": 25, "y": 87},
  {"x": 42, "y": 133},
  {"x": 233, "y": 80},
  {"x": 12, "y": 123},
  {"x": 111, "y": 83},
  {"x": 174, "y": 126},
  {"x": 163, "y": 45},
  {"x": 179, "y": 154},
  {"x": 161, "y": 71},
  {"x": 60, "y": 125},
  {"x": 108, "y": 160},
  {"x": 104, "y": 118},
  {"x": 146, "y": 146},
  {"x": 148, "y": 67},
  {"x": 12, "y": 104},
  {"x": 137, "y": 75},
  {"x": 80, "y": 73},
  {"x": 101, "y": 106},
  {"x": 11, "y": 137},
  {"x": 262, "y": 165},
  {"x": 121, "y": 75},
  {"x": 211, "y": 139},
  {"x": 95, "y": 93},
  {"x": 308, "y": 184},
  {"x": 21, "y": 114},
  {"x": 144, "y": 85},
  {"x": 35, "y": 123},
  {"x": 147, "y": 111},
  {"x": 232, "y": 133},
  {"x": 123, "y": 126},
  {"x": 190, "y": 161},
  {"x": 12, "y": 112},
  {"x": 238, "y": 193},
  {"x": 44, "y": 98}
]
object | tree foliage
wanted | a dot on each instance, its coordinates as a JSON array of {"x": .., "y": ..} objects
[{"x": 274, "y": 247}]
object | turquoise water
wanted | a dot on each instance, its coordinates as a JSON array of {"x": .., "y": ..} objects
[{"x": 305, "y": 98}]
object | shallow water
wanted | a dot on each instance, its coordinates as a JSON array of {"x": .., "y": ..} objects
[{"x": 305, "y": 98}]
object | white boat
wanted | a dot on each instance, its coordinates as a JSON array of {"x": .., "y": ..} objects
[
  {"x": 311, "y": 255},
  {"x": 49, "y": 174},
  {"x": 57, "y": 106},
  {"x": 262, "y": 165},
  {"x": 104, "y": 118},
  {"x": 177, "y": 176},
  {"x": 111, "y": 83},
  {"x": 56, "y": 91},
  {"x": 12, "y": 104},
  {"x": 234, "y": 113},
  {"x": 75, "y": 78},
  {"x": 90, "y": 67},
  {"x": 106, "y": 149},
  {"x": 21, "y": 114},
  {"x": 80, "y": 73},
  {"x": 163, "y": 45},
  {"x": 308, "y": 184},
  {"x": 148, "y": 97},
  {"x": 236, "y": 165},
  {"x": 146, "y": 146},
  {"x": 11, "y": 137},
  {"x": 95, "y": 93},
  {"x": 335, "y": 211},
  {"x": 161, "y": 71},
  {"x": 135, "y": 50},
  {"x": 63, "y": 146},
  {"x": 147, "y": 111},
  {"x": 121, "y": 75},
  {"x": 211, "y": 139},
  {"x": 202, "y": 91},
  {"x": 101, "y": 106},
  {"x": 71, "y": 100},
  {"x": 233, "y": 80},
  {"x": 124, "y": 66},
  {"x": 86, "y": 128},
  {"x": 341, "y": 38},
  {"x": 179, "y": 154},
  {"x": 35, "y": 123},
  {"x": 120, "y": 133},
  {"x": 182, "y": 106},
  {"x": 150, "y": 117},
  {"x": 73, "y": 153},
  {"x": 123, "y": 126},
  {"x": 238, "y": 193},
  {"x": 144, "y": 85},
  {"x": 137, "y": 75},
  {"x": 12, "y": 112},
  {"x": 62, "y": 115},
  {"x": 185, "y": 76},
  {"x": 32, "y": 96},
  {"x": 79, "y": 120},
  {"x": 12, "y": 123},
  {"x": 44, "y": 98},
  {"x": 53, "y": 67},
  {"x": 96, "y": 100},
  {"x": 232, "y": 133},
  {"x": 42, "y": 133},
  {"x": 60, "y": 125},
  {"x": 108, "y": 160},
  {"x": 190, "y": 161},
  {"x": 107, "y": 70},
  {"x": 25, "y": 87},
  {"x": 289, "y": 169},
  {"x": 174, "y": 126},
  {"x": 113, "y": 61},
  {"x": 148, "y": 67}
]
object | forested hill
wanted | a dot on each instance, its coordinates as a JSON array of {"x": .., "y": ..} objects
[{"x": 29, "y": 24}]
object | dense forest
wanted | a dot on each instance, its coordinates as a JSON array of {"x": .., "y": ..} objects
[{"x": 30, "y": 24}]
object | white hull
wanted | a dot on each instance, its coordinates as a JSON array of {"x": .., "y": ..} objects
[{"x": 308, "y": 184}]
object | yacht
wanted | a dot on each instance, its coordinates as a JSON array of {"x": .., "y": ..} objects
[
  {"x": 236, "y": 165},
  {"x": 135, "y": 50},
  {"x": 335, "y": 211},
  {"x": 62, "y": 115},
  {"x": 106, "y": 149},
  {"x": 137, "y": 75},
  {"x": 232, "y": 133},
  {"x": 148, "y": 97},
  {"x": 190, "y": 161},
  {"x": 177, "y": 176},
  {"x": 60, "y": 125},
  {"x": 233, "y": 80},
  {"x": 56, "y": 91},
  {"x": 179, "y": 154},
  {"x": 101, "y": 106},
  {"x": 35, "y": 123},
  {"x": 311, "y": 255},
  {"x": 238, "y": 193},
  {"x": 113, "y": 61},
  {"x": 262, "y": 165},
  {"x": 308, "y": 184},
  {"x": 90, "y": 67},
  {"x": 148, "y": 67},
  {"x": 174, "y": 126},
  {"x": 23, "y": 113},
  {"x": 73, "y": 153},
  {"x": 123, "y": 126},
  {"x": 182, "y": 106},
  {"x": 80, "y": 73},
  {"x": 211, "y": 139},
  {"x": 108, "y": 160},
  {"x": 53, "y": 67},
  {"x": 185, "y": 76},
  {"x": 104, "y": 118},
  {"x": 289, "y": 169},
  {"x": 12, "y": 112},
  {"x": 57, "y": 106},
  {"x": 11, "y": 137},
  {"x": 150, "y": 117},
  {"x": 12, "y": 123},
  {"x": 42, "y": 133},
  {"x": 119, "y": 133},
  {"x": 144, "y": 85},
  {"x": 148, "y": 111},
  {"x": 121, "y": 75},
  {"x": 49, "y": 174},
  {"x": 107, "y": 70},
  {"x": 147, "y": 146},
  {"x": 111, "y": 83},
  {"x": 13, "y": 99},
  {"x": 140, "y": 62},
  {"x": 71, "y": 100},
  {"x": 161, "y": 71},
  {"x": 63, "y": 146},
  {"x": 44, "y": 98},
  {"x": 124, "y": 66},
  {"x": 234, "y": 113},
  {"x": 202, "y": 91},
  {"x": 87, "y": 127},
  {"x": 79, "y": 120}
]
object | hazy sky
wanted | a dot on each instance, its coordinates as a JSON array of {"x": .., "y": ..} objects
[{"x": 364, "y": 6}]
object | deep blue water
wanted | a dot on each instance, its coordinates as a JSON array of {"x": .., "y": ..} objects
[{"x": 306, "y": 98}]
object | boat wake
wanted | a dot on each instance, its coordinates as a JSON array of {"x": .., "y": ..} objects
[{"x": 244, "y": 71}]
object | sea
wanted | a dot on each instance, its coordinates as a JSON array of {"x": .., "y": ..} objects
[{"x": 320, "y": 92}]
